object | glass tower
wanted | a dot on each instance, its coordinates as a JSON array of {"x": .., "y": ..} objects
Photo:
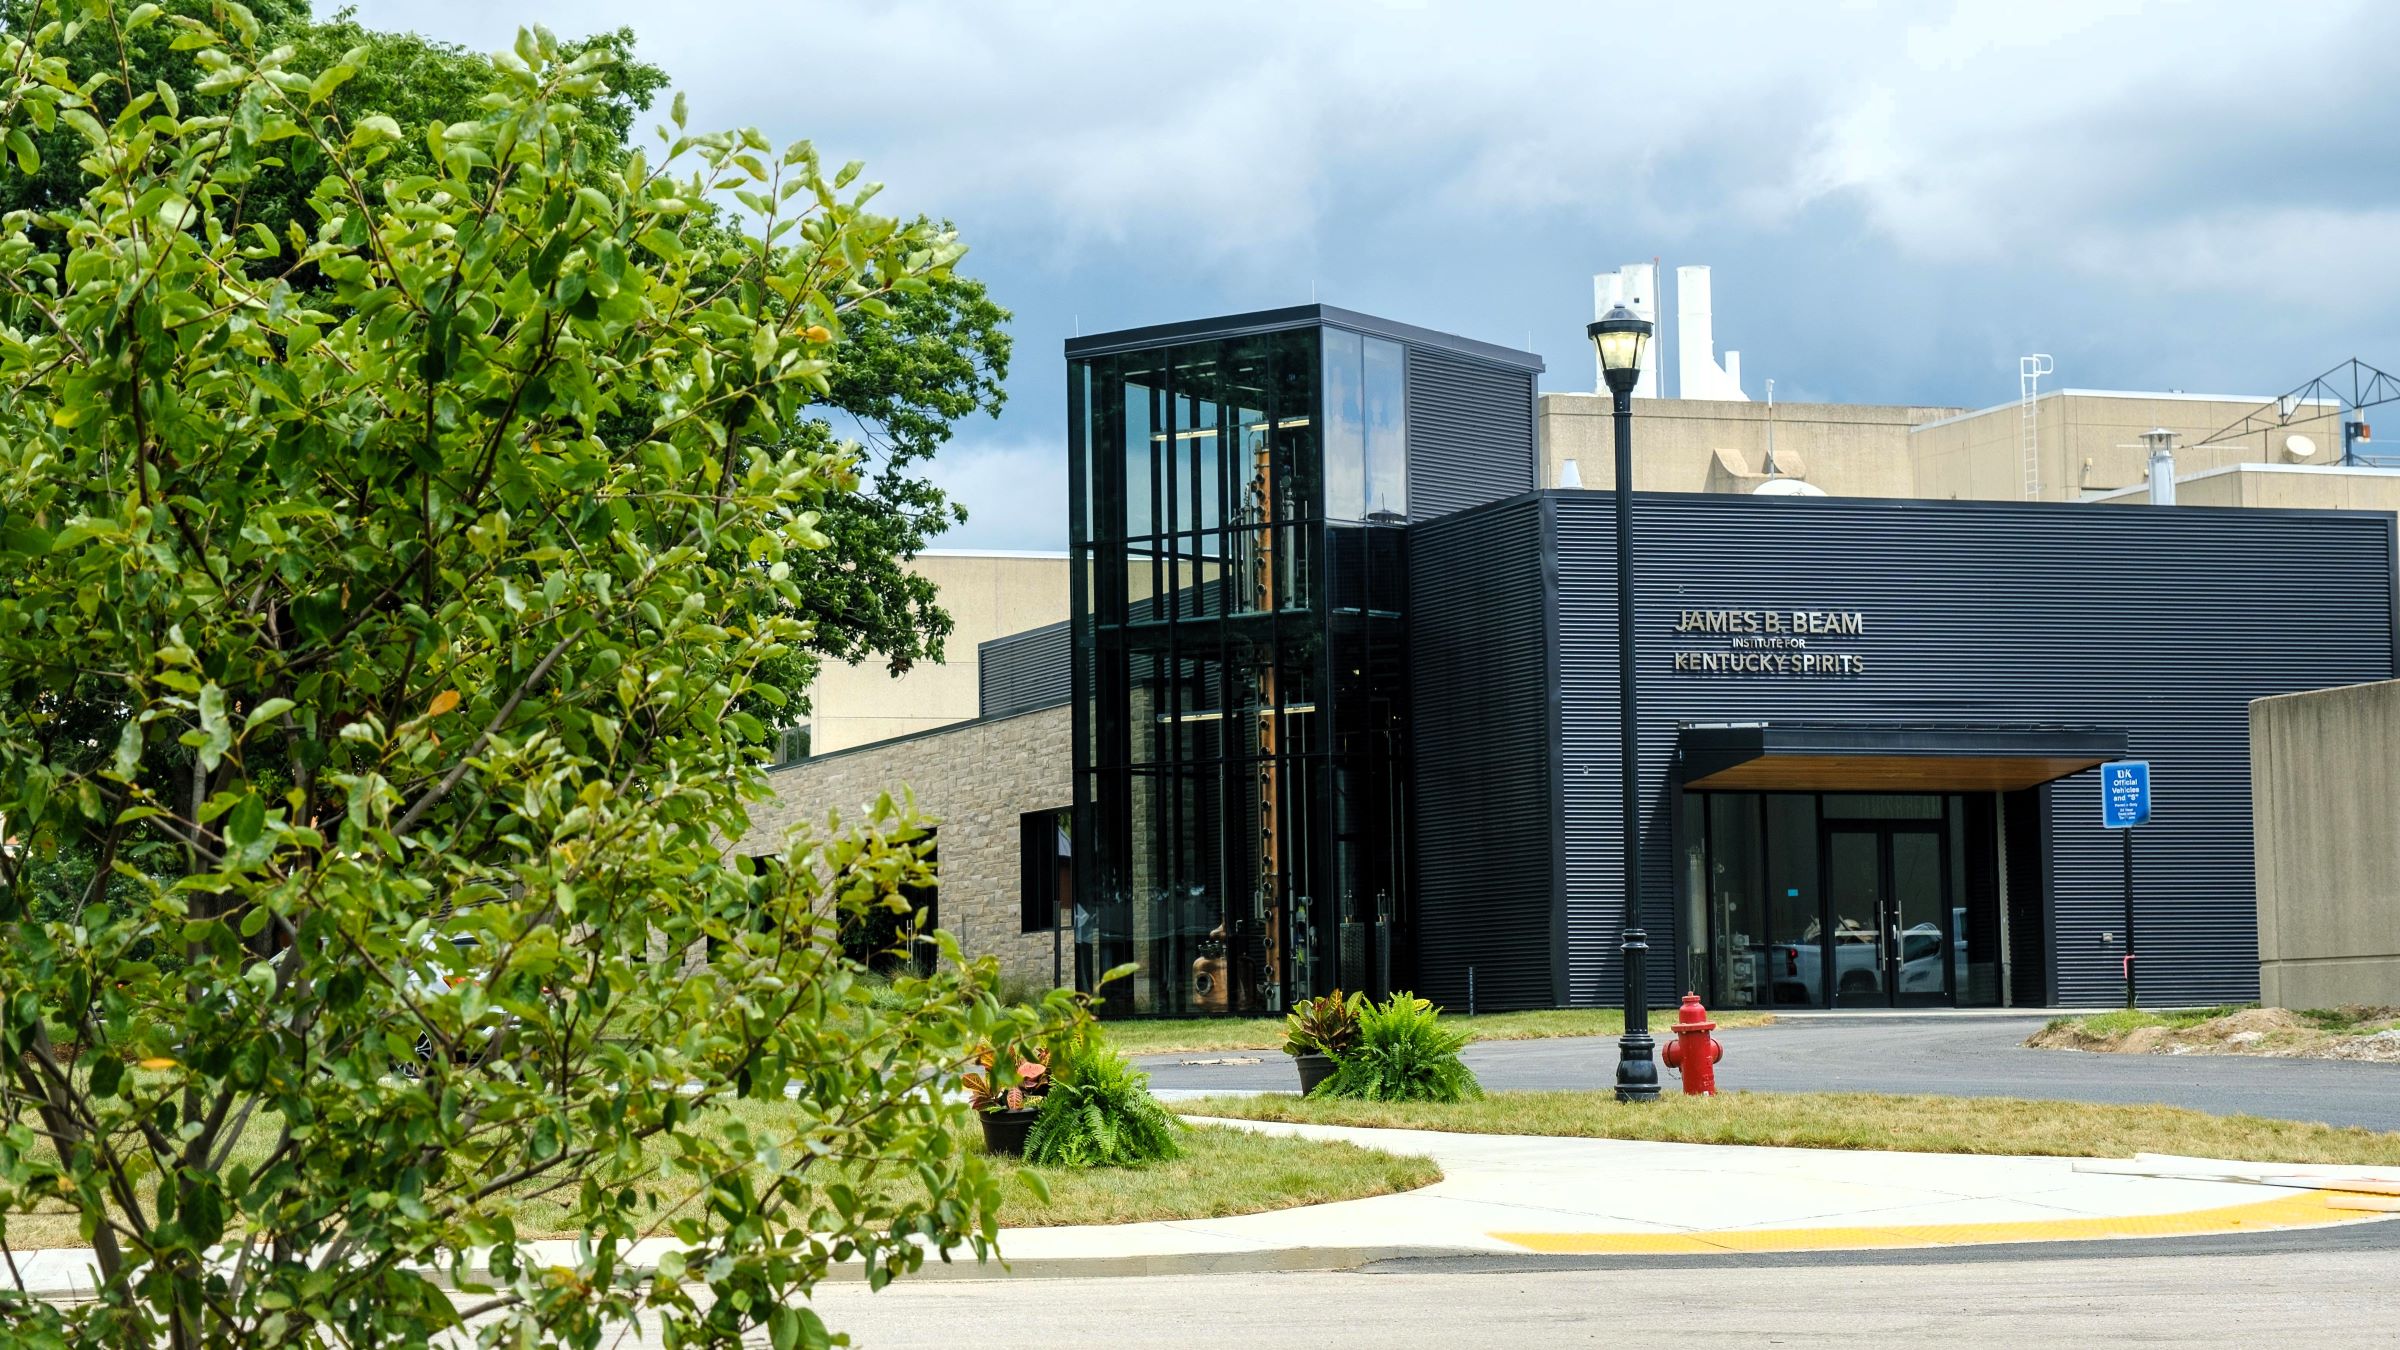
[{"x": 1237, "y": 501}]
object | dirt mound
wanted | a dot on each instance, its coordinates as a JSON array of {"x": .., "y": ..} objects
[
  {"x": 2249, "y": 1031},
  {"x": 2266, "y": 1021},
  {"x": 2382, "y": 1047}
]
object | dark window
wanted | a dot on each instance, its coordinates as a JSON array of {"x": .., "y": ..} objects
[
  {"x": 878, "y": 938},
  {"x": 1046, "y": 841}
]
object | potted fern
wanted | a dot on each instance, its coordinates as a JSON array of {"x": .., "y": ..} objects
[
  {"x": 1318, "y": 1032},
  {"x": 1403, "y": 1053},
  {"x": 1006, "y": 1090},
  {"x": 1098, "y": 1111}
]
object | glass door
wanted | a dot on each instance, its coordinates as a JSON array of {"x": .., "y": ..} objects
[
  {"x": 1888, "y": 886},
  {"x": 1851, "y": 961},
  {"x": 1920, "y": 964}
]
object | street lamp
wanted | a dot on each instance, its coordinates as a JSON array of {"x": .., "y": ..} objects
[{"x": 1620, "y": 335}]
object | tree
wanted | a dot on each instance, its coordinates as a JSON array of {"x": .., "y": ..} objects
[
  {"x": 902, "y": 379},
  {"x": 419, "y": 713}
]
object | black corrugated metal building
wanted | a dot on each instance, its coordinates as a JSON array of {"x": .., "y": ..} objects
[{"x": 1345, "y": 703}]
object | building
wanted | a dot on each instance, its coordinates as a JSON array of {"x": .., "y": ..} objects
[
  {"x": 2325, "y": 771},
  {"x": 986, "y": 594},
  {"x": 1339, "y": 690},
  {"x": 2078, "y": 445}
]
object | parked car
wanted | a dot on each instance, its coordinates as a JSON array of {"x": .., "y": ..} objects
[
  {"x": 427, "y": 979},
  {"x": 1797, "y": 969}
]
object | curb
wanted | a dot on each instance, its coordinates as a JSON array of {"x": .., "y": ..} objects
[{"x": 1262, "y": 1261}]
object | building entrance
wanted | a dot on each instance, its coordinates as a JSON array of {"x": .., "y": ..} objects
[
  {"x": 1889, "y": 890},
  {"x": 1842, "y": 899}
]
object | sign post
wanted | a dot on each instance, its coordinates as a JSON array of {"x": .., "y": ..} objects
[{"x": 2125, "y": 803}]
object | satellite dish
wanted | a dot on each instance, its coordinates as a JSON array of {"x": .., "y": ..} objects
[
  {"x": 2297, "y": 447},
  {"x": 1786, "y": 487}
]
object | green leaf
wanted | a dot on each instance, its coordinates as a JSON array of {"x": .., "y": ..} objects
[
  {"x": 216, "y": 734},
  {"x": 29, "y": 160},
  {"x": 274, "y": 707},
  {"x": 334, "y": 77},
  {"x": 375, "y": 130}
]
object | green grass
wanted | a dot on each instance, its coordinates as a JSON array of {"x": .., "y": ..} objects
[
  {"x": 1159, "y": 1036},
  {"x": 2351, "y": 1020},
  {"x": 1849, "y": 1121},
  {"x": 1221, "y": 1172},
  {"x": 2134, "y": 1019}
]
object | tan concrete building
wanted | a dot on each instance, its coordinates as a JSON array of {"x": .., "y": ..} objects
[
  {"x": 988, "y": 595},
  {"x": 2086, "y": 444},
  {"x": 1706, "y": 445},
  {"x": 2324, "y": 776},
  {"x": 2089, "y": 441},
  {"x": 2319, "y": 487},
  {"x": 975, "y": 781}
]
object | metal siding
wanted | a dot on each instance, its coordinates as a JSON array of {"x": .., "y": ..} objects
[
  {"x": 2164, "y": 622},
  {"x": 1483, "y": 744},
  {"x": 1020, "y": 672},
  {"x": 1470, "y": 433}
]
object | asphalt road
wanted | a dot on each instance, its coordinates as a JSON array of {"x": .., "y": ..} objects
[
  {"x": 2327, "y": 1289},
  {"x": 1973, "y": 1057}
]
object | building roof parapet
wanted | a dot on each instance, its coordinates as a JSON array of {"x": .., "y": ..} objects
[{"x": 1297, "y": 316}]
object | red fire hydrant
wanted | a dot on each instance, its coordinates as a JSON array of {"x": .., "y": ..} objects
[{"x": 1693, "y": 1050}]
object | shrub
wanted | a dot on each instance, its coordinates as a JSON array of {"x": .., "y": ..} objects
[
  {"x": 1099, "y": 1112},
  {"x": 1007, "y": 1077},
  {"x": 1403, "y": 1055},
  {"x": 1325, "y": 1025},
  {"x": 407, "y": 627}
]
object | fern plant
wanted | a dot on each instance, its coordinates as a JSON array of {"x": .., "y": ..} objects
[
  {"x": 1403, "y": 1054},
  {"x": 1099, "y": 1112}
]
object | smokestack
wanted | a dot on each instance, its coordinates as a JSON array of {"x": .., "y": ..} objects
[{"x": 2162, "y": 465}]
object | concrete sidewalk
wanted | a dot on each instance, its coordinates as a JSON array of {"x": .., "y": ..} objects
[
  {"x": 1518, "y": 1194},
  {"x": 1503, "y": 1194}
]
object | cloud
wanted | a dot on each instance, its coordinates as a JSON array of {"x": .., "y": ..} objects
[
  {"x": 1223, "y": 131},
  {"x": 1015, "y": 493},
  {"x": 1897, "y": 198}
]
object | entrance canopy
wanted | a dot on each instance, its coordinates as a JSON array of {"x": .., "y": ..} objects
[{"x": 1885, "y": 756}]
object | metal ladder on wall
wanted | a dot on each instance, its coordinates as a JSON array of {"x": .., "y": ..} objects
[{"x": 2030, "y": 370}]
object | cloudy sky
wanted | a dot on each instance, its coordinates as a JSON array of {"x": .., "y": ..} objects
[{"x": 1897, "y": 200}]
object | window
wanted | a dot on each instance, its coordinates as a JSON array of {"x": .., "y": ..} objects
[
  {"x": 884, "y": 941},
  {"x": 1047, "y": 850},
  {"x": 1366, "y": 454}
]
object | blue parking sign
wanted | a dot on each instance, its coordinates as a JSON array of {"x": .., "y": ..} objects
[{"x": 2125, "y": 793}]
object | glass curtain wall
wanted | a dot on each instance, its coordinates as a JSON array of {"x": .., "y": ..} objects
[
  {"x": 1817, "y": 900},
  {"x": 1236, "y": 792}
]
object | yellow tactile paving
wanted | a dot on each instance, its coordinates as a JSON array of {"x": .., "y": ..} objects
[{"x": 2292, "y": 1211}]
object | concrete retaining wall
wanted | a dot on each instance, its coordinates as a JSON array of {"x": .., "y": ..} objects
[{"x": 2325, "y": 782}]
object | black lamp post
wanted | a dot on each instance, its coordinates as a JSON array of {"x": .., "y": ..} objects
[{"x": 1621, "y": 335}]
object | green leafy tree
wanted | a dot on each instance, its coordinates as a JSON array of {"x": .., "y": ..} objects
[
  {"x": 410, "y": 710},
  {"x": 899, "y": 383}
]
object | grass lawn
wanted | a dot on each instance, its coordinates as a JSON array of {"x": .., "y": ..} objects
[
  {"x": 1168, "y": 1035},
  {"x": 1849, "y": 1120},
  {"x": 1221, "y": 1172}
]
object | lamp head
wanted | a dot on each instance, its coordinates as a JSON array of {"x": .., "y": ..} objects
[{"x": 1620, "y": 336}]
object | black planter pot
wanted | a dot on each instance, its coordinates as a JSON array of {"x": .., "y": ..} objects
[
  {"x": 1314, "y": 1069},
  {"x": 1004, "y": 1131}
]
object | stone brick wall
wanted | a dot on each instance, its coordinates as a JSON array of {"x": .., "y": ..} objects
[{"x": 975, "y": 779}]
